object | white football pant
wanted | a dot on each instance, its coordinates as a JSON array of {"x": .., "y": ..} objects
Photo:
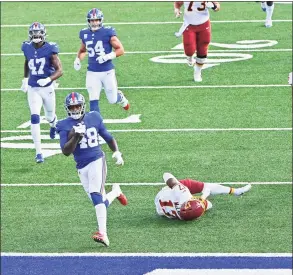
[
  {"x": 93, "y": 177},
  {"x": 42, "y": 96},
  {"x": 96, "y": 80}
]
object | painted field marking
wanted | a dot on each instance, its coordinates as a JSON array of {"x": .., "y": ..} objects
[
  {"x": 167, "y": 130},
  {"x": 143, "y": 23},
  {"x": 94, "y": 254},
  {"x": 174, "y": 51},
  {"x": 134, "y": 184},
  {"x": 177, "y": 87}
]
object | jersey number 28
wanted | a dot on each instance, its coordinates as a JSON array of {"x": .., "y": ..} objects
[{"x": 90, "y": 139}]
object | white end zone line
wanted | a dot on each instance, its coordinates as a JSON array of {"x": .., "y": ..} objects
[
  {"x": 95, "y": 254},
  {"x": 135, "y": 183}
]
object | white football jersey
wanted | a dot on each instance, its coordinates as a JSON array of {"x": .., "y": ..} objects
[
  {"x": 168, "y": 201},
  {"x": 195, "y": 13}
]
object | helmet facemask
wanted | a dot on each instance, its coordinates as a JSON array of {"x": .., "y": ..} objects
[
  {"x": 95, "y": 19},
  {"x": 37, "y": 33},
  {"x": 95, "y": 24},
  {"x": 75, "y": 113}
]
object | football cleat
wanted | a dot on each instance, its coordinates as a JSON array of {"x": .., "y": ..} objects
[
  {"x": 240, "y": 191},
  {"x": 52, "y": 132},
  {"x": 120, "y": 196},
  {"x": 101, "y": 238},
  {"x": 268, "y": 23},
  {"x": 39, "y": 158},
  {"x": 190, "y": 61},
  {"x": 123, "y": 101},
  {"x": 263, "y": 6},
  {"x": 197, "y": 77}
]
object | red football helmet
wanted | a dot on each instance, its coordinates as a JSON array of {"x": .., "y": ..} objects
[{"x": 192, "y": 209}]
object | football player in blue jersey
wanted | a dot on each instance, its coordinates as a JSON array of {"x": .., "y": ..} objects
[
  {"x": 42, "y": 67},
  {"x": 79, "y": 135},
  {"x": 98, "y": 41}
]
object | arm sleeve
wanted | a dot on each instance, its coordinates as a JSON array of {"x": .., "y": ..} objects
[
  {"x": 23, "y": 46},
  {"x": 63, "y": 138},
  {"x": 55, "y": 48},
  {"x": 104, "y": 133},
  {"x": 113, "y": 32}
]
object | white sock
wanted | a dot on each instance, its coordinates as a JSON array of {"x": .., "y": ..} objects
[
  {"x": 101, "y": 213},
  {"x": 269, "y": 12},
  {"x": 198, "y": 68},
  {"x": 36, "y": 134},
  {"x": 217, "y": 189},
  {"x": 53, "y": 124},
  {"x": 111, "y": 196}
]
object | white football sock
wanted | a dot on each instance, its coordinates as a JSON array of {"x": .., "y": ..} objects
[
  {"x": 269, "y": 12},
  {"x": 54, "y": 122},
  {"x": 217, "y": 189},
  {"x": 36, "y": 134},
  {"x": 198, "y": 68},
  {"x": 111, "y": 196},
  {"x": 101, "y": 213}
]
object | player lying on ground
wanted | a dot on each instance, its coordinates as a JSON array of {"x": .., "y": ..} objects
[
  {"x": 79, "y": 135},
  {"x": 176, "y": 201}
]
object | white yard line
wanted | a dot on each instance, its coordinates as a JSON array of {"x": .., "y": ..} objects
[
  {"x": 96, "y": 254},
  {"x": 142, "y": 23},
  {"x": 174, "y": 130},
  {"x": 173, "y": 51},
  {"x": 174, "y": 87},
  {"x": 134, "y": 184}
]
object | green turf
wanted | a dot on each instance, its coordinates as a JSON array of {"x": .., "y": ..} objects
[
  {"x": 235, "y": 224},
  {"x": 61, "y": 219}
]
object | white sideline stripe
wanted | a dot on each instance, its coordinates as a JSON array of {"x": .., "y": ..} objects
[
  {"x": 174, "y": 51},
  {"x": 171, "y": 130},
  {"x": 143, "y": 23},
  {"x": 133, "y": 183},
  {"x": 68, "y": 254},
  {"x": 176, "y": 87}
]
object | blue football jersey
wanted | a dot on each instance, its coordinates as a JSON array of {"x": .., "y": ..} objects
[
  {"x": 39, "y": 61},
  {"x": 98, "y": 43},
  {"x": 88, "y": 149}
]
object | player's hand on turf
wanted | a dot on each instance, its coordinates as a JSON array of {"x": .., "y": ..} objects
[
  {"x": 77, "y": 64},
  {"x": 118, "y": 156},
  {"x": 79, "y": 129},
  {"x": 43, "y": 82},
  {"x": 24, "y": 85}
]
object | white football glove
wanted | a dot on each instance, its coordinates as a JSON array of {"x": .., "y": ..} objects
[
  {"x": 118, "y": 156},
  {"x": 43, "y": 82},
  {"x": 77, "y": 64},
  {"x": 24, "y": 85},
  {"x": 177, "y": 13},
  {"x": 104, "y": 58},
  {"x": 80, "y": 129},
  {"x": 290, "y": 79}
]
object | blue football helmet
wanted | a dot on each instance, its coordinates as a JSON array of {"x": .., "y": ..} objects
[
  {"x": 72, "y": 101},
  {"x": 95, "y": 14},
  {"x": 37, "y": 32}
]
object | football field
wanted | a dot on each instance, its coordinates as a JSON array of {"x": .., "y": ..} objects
[{"x": 232, "y": 128}]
